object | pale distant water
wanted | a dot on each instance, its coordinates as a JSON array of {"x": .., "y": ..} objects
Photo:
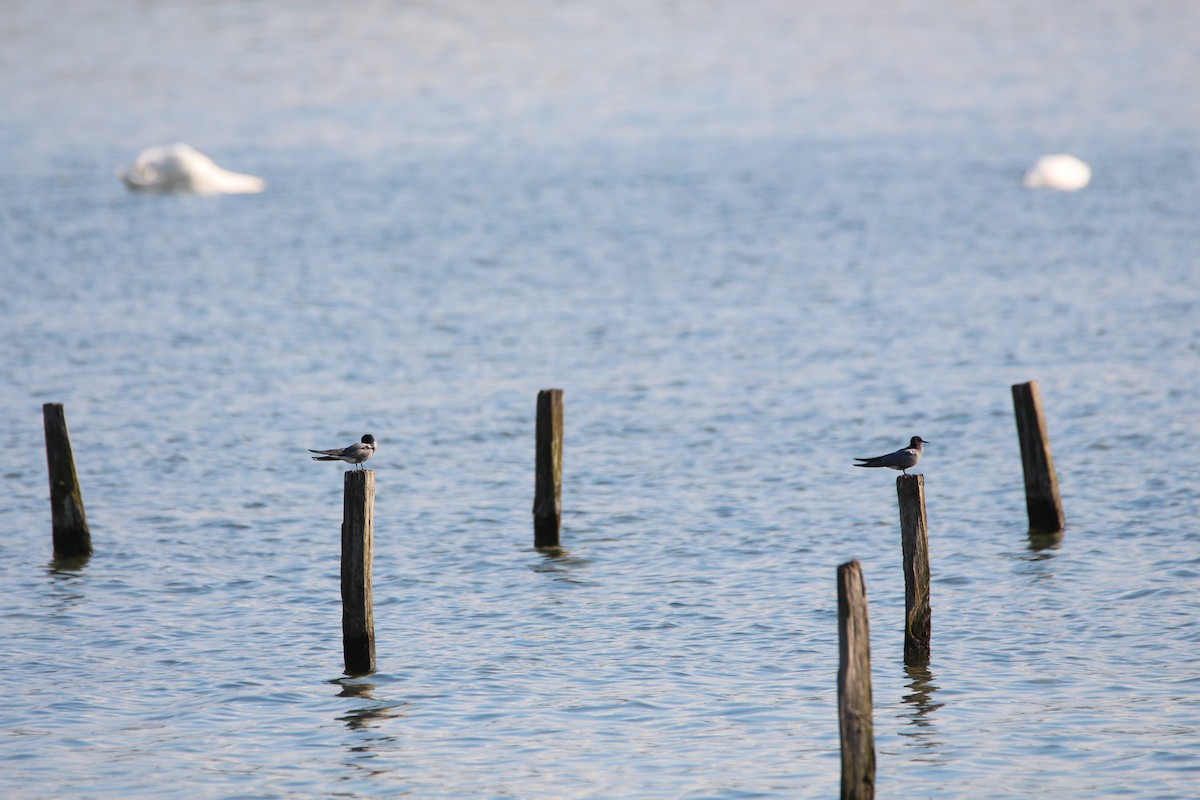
[{"x": 750, "y": 241}]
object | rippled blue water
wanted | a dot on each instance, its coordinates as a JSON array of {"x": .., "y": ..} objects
[{"x": 749, "y": 241}]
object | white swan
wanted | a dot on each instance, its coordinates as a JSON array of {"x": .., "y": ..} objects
[
  {"x": 1060, "y": 171},
  {"x": 183, "y": 169}
]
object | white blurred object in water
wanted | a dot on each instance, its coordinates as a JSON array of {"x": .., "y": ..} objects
[
  {"x": 1060, "y": 171},
  {"x": 184, "y": 169}
]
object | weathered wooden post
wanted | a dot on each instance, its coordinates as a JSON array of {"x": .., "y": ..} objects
[
  {"x": 358, "y": 549},
  {"x": 855, "y": 709},
  {"x": 1042, "y": 499},
  {"x": 547, "y": 498},
  {"x": 914, "y": 538},
  {"x": 67, "y": 518}
]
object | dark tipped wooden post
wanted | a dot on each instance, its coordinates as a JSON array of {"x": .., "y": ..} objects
[
  {"x": 547, "y": 497},
  {"x": 914, "y": 538},
  {"x": 1042, "y": 499},
  {"x": 358, "y": 547},
  {"x": 67, "y": 518},
  {"x": 857, "y": 724}
]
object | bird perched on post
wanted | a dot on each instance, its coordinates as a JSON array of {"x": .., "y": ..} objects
[
  {"x": 902, "y": 460},
  {"x": 356, "y": 453}
]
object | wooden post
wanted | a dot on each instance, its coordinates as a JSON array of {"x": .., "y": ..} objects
[
  {"x": 914, "y": 538},
  {"x": 547, "y": 498},
  {"x": 854, "y": 685},
  {"x": 67, "y": 518},
  {"x": 358, "y": 548},
  {"x": 1042, "y": 499}
]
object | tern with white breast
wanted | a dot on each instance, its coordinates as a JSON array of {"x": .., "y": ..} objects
[
  {"x": 356, "y": 453},
  {"x": 903, "y": 460}
]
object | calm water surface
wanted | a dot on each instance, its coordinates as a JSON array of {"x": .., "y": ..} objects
[{"x": 749, "y": 241}]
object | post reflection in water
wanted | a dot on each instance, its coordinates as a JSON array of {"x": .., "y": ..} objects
[
  {"x": 1039, "y": 542},
  {"x": 922, "y": 733},
  {"x": 559, "y": 564},
  {"x": 366, "y": 745},
  {"x": 1037, "y": 561},
  {"x": 66, "y": 582},
  {"x": 370, "y": 712},
  {"x": 70, "y": 566}
]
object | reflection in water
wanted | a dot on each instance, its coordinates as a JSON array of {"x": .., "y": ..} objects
[
  {"x": 371, "y": 711},
  {"x": 66, "y": 579},
  {"x": 1039, "y": 541},
  {"x": 1038, "y": 561},
  {"x": 363, "y": 749},
  {"x": 558, "y": 563},
  {"x": 922, "y": 733},
  {"x": 353, "y": 688},
  {"x": 70, "y": 567}
]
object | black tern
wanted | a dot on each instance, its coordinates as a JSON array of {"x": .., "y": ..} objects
[
  {"x": 903, "y": 460},
  {"x": 356, "y": 453}
]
